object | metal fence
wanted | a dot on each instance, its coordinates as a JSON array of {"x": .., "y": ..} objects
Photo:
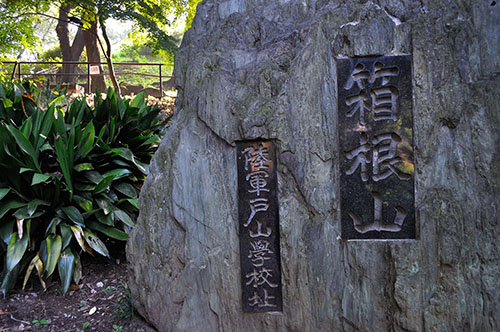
[{"x": 17, "y": 70}]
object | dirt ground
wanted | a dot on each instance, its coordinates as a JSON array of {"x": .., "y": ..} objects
[{"x": 100, "y": 302}]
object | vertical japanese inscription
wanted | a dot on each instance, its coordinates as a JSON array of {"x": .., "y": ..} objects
[
  {"x": 259, "y": 226},
  {"x": 376, "y": 148}
]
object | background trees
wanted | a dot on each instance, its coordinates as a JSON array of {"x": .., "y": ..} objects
[{"x": 19, "y": 18}]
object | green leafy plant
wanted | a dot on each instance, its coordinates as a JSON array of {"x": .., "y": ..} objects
[
  {"x": 84, "y": 326},
  {"x": 38, "y": 323},
  {"x": 70, "y": 177},
  {"x": 117, "y": 328}
]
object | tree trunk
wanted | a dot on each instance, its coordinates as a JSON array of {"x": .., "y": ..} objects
[
  {"x": 107, "y": 54},
  {"x": 94, "y": 56},
  {"x": 70, "y": 52}
]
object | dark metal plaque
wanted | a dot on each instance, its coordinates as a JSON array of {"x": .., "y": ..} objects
[
  {"x": 259, "y": 226},
  {"x": 376, "y": 143}
]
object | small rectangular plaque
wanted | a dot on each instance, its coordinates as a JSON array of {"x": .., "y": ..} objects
[
  {"x": 376, "y": 147},
  {"x": 94, "y": 70},
  {"x": 259, "y": 226}
]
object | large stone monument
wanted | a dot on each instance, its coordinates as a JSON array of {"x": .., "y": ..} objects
[{"x": 376, "y": 123}]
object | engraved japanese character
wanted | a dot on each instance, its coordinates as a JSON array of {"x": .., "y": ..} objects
[
  {"x": 384, "y": 73},
  {"x": 378, "y": 224},
  {"x": 385, "y": 158},
  {"x": 360, "y": 153},
  {"x": 357, "y": 76},
  {"x": 261, "y": 302},
  {"x": 257, "y": 181},
  {"x": 260, "y": 277},
  {"x": 256, "y": 205},
  {"x": 259, "y": 252},
  {"x": 256, "y": 158},
  {"x": 259, "y": 232},
  {"x": 384, "y": 104},
  {"x": 361, "y": 105}
]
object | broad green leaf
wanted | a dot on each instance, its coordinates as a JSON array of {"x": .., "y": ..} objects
[
  {"x": 104, "y": 184},
  {"x": 5, "y": 207},
  {"x": 24, "y": 144},
  {"x": 80, "y": 187},
  {"x": 7, "y": 103},
  {"x": 109, "y": 231},
  {"x": 28, "y": 211},
  {"x": 25, "y": 169},
  {"x": 93, "y": 176},
  {"x": 66, "y": 235},
  {"x": 88, "y": 136},
  {"x": 112, "y": 128},
  {"x": 39, "y": 178},
  {"x": 128, "y": 155},
  {"x": 27, "y": 127},
  {"x": 54, "y": 245},
  {"x": 138, "y": 101},
  {"x": 74, "y": 215},
  {"x": 83, "y": 203},
  {"x": 46, "y": 147},
  {"x": 88, "y": 141},
  {"x": 15, "y": 251},
  {"x": 63, "y": 159},
  {"x": 48, "y": 120},
  {"x": 126, "y": 188},
  {"x": 70, "y": 150},
  {"x": 43, "y": 252},
  {"x": 105, "y": 219},
  {"x": 151, "y": 140},
  {"x": 83, "y": 167},
  {"x": 104, "y": 204},
  {"x": 6, "y": 229},
  {"x": 34, "y": 204},
  {"x": 66, "y": 267},
  {"x": 3, "y": 192},
  {"x": 51, "y": 228},
  {"x": 95, "y": 243},
  {"x": 124, "y": 217},
  {"x": 57, "y": 100},
  {"x": 118, "y": 173},
  {"x": 77, "y": 273},
  {"x": 133, "y": 202},
  {"x": 9, "y": 279}
]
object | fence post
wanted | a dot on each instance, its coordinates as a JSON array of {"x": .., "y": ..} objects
[
  {"x": 88, "y": 78},
  {"x": 161, "y": 82},
  {"x": 19, "y": 70}
]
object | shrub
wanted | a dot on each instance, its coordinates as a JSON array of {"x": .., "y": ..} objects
[{"x": 69, "y": 178}]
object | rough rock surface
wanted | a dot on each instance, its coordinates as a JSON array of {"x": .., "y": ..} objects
[{"x": 266, "y": 69}]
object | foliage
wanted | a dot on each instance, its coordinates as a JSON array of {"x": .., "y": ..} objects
[
  {"x": 69, "y": 178},
  {"x": 17, "y": 32},
  {"x": 51, "y": 54}
]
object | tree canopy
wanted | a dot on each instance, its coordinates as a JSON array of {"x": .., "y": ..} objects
[{"x": 19, "y": 17}]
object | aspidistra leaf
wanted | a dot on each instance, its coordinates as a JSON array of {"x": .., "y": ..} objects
[
  {"x": 66, "y": 267},
  {"x": 15, "y": 251},
  {"x": 95, "y": 243},
  {"x": 74, "y": 215}
]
